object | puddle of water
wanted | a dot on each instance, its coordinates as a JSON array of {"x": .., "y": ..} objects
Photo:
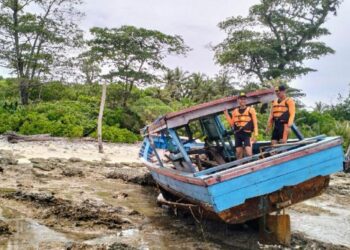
[
  {"x": 330, "y": 227},
  {"x": 140, "y": 198},
  {"x": 29, "y": 235},
  {"x": 159, "y": 230},
  {"x": 124, "y": 235}
]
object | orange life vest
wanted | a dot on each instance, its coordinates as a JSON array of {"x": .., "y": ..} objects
[
  {"x": 280, "y": 110},
  {"x": 243, "y": 121}
]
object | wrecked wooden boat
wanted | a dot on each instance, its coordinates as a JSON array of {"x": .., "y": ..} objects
[{"x": 191, "y": 156}]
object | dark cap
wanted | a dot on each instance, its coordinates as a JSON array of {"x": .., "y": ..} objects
[
  {"x": 242, "y": 95},
  {"x": 281, "y": 88}
]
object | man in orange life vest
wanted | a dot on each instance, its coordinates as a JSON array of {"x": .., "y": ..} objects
[
  {"x": 244, "y": 123},
  {"x": 281, "y": 116}
]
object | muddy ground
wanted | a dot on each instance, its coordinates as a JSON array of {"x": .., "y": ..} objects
[{"x": 91, "y": 202}]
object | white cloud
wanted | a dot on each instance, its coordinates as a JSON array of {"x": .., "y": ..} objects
[{"x": 196, "y": 21}]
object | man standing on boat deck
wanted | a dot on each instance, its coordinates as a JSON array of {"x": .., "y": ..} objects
[
  {"x": 244, "y": 123},
  {"x": 281, "y": 116}
]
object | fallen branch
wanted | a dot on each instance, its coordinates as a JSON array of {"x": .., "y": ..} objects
[{"x": 12, "y": 137}]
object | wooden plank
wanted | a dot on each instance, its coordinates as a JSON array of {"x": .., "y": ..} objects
[
  {"x": 186, "y": 198},
  {"x": 276, "y": 171},
  {"x": 199, "y": 193},
  {"x": 175, "y": 174},
  {"x": 239, "y": 196},
  {"x": 255, "y": 157},
  {"x": 252, "y": 208},
  {"x": 245, "y": 160},
  {"x": 151, "y": 143},
  {"x": 182, "y": 117},
  {"x": 271, "y": 161},
  {"x": 179, "y": 145},
  {"x": 178, "y": 175},
  {"x": 259, "y": 95},
  {"x": 146, "y": 149}
]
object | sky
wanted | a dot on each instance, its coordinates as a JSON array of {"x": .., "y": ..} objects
[{"x": 196, "y": 21}]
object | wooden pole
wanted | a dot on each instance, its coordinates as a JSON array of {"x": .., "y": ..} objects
[
  {"x": 100, "y": 117},
  {"x": 348, "y": 153}
]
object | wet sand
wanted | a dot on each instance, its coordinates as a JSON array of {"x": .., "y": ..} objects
[
  {"x": 84, "y": 200},
  {"x": 85, "y": 150}
]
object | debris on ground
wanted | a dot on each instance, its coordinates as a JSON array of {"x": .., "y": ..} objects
[
  {"x": 69, "y": 172},
  {"x": 86, "y": 211},
  {"x": 138, "y": 176},
  {"x": 121, "y": 246},
  {"x": 4, "y": 228}
]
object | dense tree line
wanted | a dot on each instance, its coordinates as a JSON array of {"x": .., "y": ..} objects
[
  {"x": 57, "y": 72},
  {"x": 71, "y": 110}
]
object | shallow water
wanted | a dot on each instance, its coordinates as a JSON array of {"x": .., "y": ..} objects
[
  {"x": 29, "y": 233},
  {"x": 160, "y": 229}
]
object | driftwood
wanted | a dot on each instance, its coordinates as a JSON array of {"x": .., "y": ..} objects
[{"x": 12, "y": 137}]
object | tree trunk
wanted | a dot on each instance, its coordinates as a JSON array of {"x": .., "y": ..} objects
[
  {"x": 127, "y": 93},
  {"x": 100, "y": 117},
  {"x": 23, "y": 89},
  {"x": 23, "y": 84}
]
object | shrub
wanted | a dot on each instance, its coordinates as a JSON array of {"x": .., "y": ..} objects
[
  {"x": 53, "y": 91},
  {"x": 148, "y": 109},
  {"x": 74, "y": 131},
  {"x": 115, "y": 134},
  {"x": 37, "y": 124},
  {"x": 342, "y": 128}
]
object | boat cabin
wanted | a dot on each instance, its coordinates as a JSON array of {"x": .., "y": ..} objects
[{"x": 199, "y": 139}]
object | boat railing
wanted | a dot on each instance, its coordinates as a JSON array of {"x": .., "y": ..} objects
[{"x": 276, "y": 149}]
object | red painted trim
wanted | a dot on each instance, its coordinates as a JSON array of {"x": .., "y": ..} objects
[
  {"x": 159, "y": 123},
  {"x": 174, "y": 175},
  {"x": 215, "y": 102},
  {"x": 233, "y": 173}
]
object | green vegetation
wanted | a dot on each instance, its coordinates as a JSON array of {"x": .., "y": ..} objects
[
  {"x": 35, "y": 38},
  {"x": 71, "y": 110},
  {"x": 65, "y": 110},
  {"x": 269, "y": 45}
]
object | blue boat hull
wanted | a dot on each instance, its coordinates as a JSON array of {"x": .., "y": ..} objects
[
  {"x": 235, "y": 191},
  {"x": 221, "y": 196},
  {"x": 252, "y": 208}
]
